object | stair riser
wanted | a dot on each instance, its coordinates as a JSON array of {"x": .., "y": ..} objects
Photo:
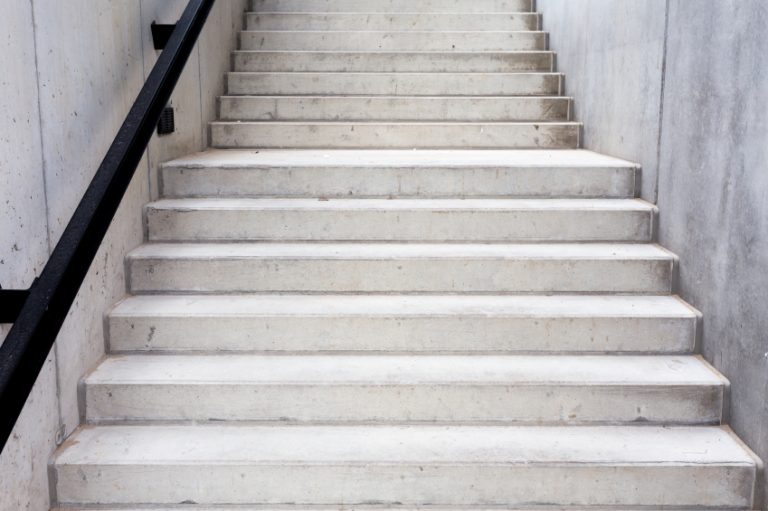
[
  {"x": 393, "y": 41},
  {"x": 399, "y": 182},
  {"x": 392, "y": 21},
  {"x": 333, "y": 108},
  {"x": 392, "y": 5},
  {"x": 400, "y": 333},
  {"x": 395, "y": 136},
  {"x": 416, "y": 483},
  {"x": 397, "y": 225},
  {"x": 520, "y": 403},
  {"x": 389, "y": 84},
  {"x": 403, "y": 62},
  {"x": 401, "y": 275}
]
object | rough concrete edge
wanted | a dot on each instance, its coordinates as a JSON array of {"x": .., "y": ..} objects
[
  {"x": 725, "y": 413},
  {"x": 758, "y": 493}
]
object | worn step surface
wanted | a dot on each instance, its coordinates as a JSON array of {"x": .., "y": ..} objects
[
  {"x": 394, "y": 84},
  {"x": 502, "y": 220},
  {"x": 488, "y": 63},
  {"x": 408, "y": 465},
  {"x": 402, "y": 135},
  {"x": 399, "y": 174},
  {"x": 392, "y": 5},
  {"x": 406, "y": 388},
  {"x": 376, "y": 40},
  {"x": 396, "y": 268},
  {"x": 392, "y": 108},
  {"x": 400, "y": 324},
  {"x": 393, "y": 21}
]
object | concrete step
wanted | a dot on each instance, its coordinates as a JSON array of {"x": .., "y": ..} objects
[
  {"x": 399, "y": 174},
  {"x": 389, "y": 62},
  {"x": 456, "y": 6},
  {"x": 641, "y": 466},
  {"x": 314, "y": 508},
  {"x": 403, "y": 324},
  {"x": 395, "y": 135},
  {"x": 393, "y": 108},
  {"x": 376, "y": 40},
  {"x": 490, "y": 220},
  {"x": 394, "y": 84},
  {"x": 393, "y": 21},
  {"x": 406, "y": 388},
  {"x": 401, "y": 268}
]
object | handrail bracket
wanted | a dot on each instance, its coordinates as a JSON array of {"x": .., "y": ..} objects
[{"x": 11, "y": 303}]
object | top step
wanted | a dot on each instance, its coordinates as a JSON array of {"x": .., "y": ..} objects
[{"x": 392, "y": 5}]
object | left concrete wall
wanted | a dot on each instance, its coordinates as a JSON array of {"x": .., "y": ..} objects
[{"x": 71, "y": 72}]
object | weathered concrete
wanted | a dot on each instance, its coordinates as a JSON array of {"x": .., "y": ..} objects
[
  {"x": 66, "y": 88},
  {"x": 399, "y": 174},
  {"x": 401, "y": 268},
  {"x": 385, "y": 388},
  {"x": 612, "y": 54},
  {"x": 23, "y": 251},
  {"x": 488, "y": 220},
  {"x": 631, "y": 466},
  {"x": 713, "y": 190},
  {"x": 712, "y": 150},
  {"x": 415, "y": 324},
  {"x": 395, "y": 135}
]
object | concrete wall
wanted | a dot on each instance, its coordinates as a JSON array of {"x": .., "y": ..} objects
[
  {"x": 612, "y": 53},
  {"x": 700, "y": 67},
  {"x": 71, "y": 71}
]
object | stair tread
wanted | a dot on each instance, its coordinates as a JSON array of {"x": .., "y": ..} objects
[
  {"x": 409, "y": 32},
  {"x": 404, "y": 370},
  {"x": 374, "y": 251},
  {"x": 590, "y": 306},
  {"x": 402, "y": 53},
  {"x": 384, "y": 97},
  {"x": 343, "y": 204},
  {"x": 398, "y": 74},
  {"x": 388, "y": 13},
  {"x": 237, "y": 158},
  {"x": 369, "y": 507},
  {"x": 398, "y": 123},
  {"x": 402, "y": 445},
  {"x": 393, "y": 6}
]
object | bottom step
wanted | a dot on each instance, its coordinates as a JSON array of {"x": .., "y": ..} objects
[{"x": 703, "y": 467}]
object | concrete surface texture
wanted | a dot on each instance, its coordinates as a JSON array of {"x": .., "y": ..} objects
[
  {"x": 71, "y": 71},
  {"x": 448, "y": 327},
  {"x": 710, "y": 132}
]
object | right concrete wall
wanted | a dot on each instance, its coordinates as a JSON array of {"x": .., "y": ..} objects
[{"x": 681, "y": 87}]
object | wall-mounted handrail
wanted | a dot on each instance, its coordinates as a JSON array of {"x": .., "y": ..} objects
[{"x": 34, "y": 330}]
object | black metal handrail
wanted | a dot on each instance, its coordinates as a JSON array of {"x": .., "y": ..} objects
[{"x": 47, "y": 302}]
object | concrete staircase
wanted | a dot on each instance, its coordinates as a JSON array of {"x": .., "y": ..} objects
[{"x": 396, "y": 282}]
